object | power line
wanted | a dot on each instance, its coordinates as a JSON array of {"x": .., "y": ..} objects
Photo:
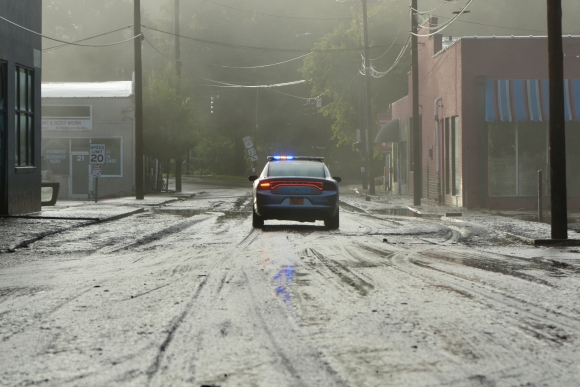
[
  {"x": 89, "y": 38},
  {"x": 232, "y": 85},
  {"x": 438, "y": 29},
  {"x": 222, "y": 66},
  {"x": 391, "y": 46},
  {"x": 491, "y": 25},
  {"x": 229, "y": 45},
  {"x": 65, "y": 42},
  {"x": 278, "y": 16}
]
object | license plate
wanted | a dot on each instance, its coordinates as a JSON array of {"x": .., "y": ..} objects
[{"x": 296, "y": 200}]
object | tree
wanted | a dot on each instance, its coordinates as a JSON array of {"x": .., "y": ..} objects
[{"x": 169, "y": 120}]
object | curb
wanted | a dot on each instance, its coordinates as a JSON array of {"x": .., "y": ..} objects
[
  {"x": 90, "y": 221},
  {"x": 544, "y": 242}
]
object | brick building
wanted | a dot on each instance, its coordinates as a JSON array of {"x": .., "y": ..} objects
[
  {"x": 20, "y": 63},
  {"x": 484, "y": 112}
]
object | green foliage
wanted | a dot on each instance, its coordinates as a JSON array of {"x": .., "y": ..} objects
[
  {"x": 169, "y": 120},
  {"x": 215, "y": 153}
]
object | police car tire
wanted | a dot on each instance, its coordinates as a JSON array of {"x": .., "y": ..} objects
[
  {"x": 333, "y": 222},
  {"x": 257, "y": 221}
]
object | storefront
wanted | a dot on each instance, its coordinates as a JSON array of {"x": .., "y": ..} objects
[
  {"x": 75, "y": 115},
  {"x": 20, "y": 73},
  {"x": 484, "y": 113}
]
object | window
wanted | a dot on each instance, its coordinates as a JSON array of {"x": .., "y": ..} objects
[
  {"x": 24, "y": 117},
  {"x": 294, "y": 168},
  {"x": 447, "y": 156},
  {"x": 455, "y": 150},
  {"x": 516, "y": 151},
  {"x": 3, "y": 92}
]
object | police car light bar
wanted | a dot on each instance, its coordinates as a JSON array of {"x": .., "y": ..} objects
[{"x": 310, "y": 158}]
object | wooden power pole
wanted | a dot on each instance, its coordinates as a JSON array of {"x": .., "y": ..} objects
[
  {"x": 557, "y": 122},
  {"x": 416, "y": 129},
  {"x": 178, "y": 161},
  {"x": 139, "y": 170},
  {"x": 369, "y": 144}
]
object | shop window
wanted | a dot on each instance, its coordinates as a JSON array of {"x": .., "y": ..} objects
[
  {"x": 455, "y": 150},
  {"x": 447, "y": 156},
  {"x": 501, "y": 160},
  {"x": 532, "y": 155},
  {"x": 3, "y": 92},
  {"x": 24, "y": 117},
  {"x": 516, "y": 151},
  {"x": 573, "y": 158}
]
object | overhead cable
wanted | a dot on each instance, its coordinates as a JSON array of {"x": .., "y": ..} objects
[
  {"x": 438, "y": 29},
  {"x": 491, "y": 25},
  {"x": 230, "y": 45},
  {"x": 278, "y": 16},
  {"x": 392, "y": 44},
  {"x": 222, "y": 66},
  {"x": 377, "y": 10},
  {"x": 89, "y": 38},
  {"x": 232, "y": 85},
  {"x": 69, "y": 43}
]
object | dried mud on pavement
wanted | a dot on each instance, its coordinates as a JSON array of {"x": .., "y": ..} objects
[{"x": 188, "y": 293}]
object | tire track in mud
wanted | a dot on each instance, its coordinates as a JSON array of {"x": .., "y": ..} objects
[
  {"x": 301, "y": 359},
  {"x": 154, "y": 367},
  {"x": 157, "y": 235},
  {"x": 346, "y": 276},
  {"x": 227, "y": 256}
]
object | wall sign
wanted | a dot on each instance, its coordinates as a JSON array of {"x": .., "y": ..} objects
[{"x": 67, "y": 117}]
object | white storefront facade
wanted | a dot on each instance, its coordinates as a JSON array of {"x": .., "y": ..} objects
[{"x": 76, "y": 115}]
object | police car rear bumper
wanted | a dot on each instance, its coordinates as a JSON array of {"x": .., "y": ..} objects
[{"x": 319, "y": 207}]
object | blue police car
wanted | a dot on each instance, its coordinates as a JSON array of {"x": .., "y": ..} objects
[{"x": 296, "y": 188}]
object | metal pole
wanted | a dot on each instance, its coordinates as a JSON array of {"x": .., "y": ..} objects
[
  {"x": 139, "y": 191},
  {"x": 540, "y": 197},
  {"x": 557, "y": 122},
  {"x": 96, "y": 189},
  {"x": 369, "y": 147},
  {"x": 416, "y": 129}
]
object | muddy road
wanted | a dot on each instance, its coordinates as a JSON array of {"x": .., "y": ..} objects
[{"x": 189, "y": 294}]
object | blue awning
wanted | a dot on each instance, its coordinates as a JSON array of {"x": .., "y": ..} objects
[{"x": 528, "y": 100}]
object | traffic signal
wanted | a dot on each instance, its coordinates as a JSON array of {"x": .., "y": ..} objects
[
  {"x": 211, "y": 105},
  {"x": 358, "y": 146}
]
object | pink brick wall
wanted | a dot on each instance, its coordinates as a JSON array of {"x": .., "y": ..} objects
[{"x": 452, "y": 75}]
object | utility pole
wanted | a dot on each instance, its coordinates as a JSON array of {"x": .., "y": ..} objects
[
  {"x": 178, "y": 161},
  {"x": 139, "y": 170},
  {"x": 557, "y": 122},
  {"x": 369, "y": 147},
  {"x": 416, "y": 129}
]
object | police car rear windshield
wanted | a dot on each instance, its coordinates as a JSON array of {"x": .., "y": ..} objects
[{"x": 296, "y": 168}]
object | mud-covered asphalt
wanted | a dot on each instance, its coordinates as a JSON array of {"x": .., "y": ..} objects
[{"x": 188, "y": 294}]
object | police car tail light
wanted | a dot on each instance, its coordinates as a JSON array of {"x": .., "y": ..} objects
[
  {"x": 329, "y": 186},
  {"x": 264, "y": 185}
]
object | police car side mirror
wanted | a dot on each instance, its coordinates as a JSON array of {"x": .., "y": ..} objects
[
  {"x": 252, "y": 178},
  {"x": 338, "y": 179}
]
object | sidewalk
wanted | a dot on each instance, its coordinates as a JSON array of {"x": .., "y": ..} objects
[
  {"x": 519, "y": 225},
  {"x": 21, "y": 230}
]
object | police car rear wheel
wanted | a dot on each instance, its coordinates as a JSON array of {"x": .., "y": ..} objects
[
  {"x": 257, "y": 220},
  {"x": 333, "y": 222}
]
